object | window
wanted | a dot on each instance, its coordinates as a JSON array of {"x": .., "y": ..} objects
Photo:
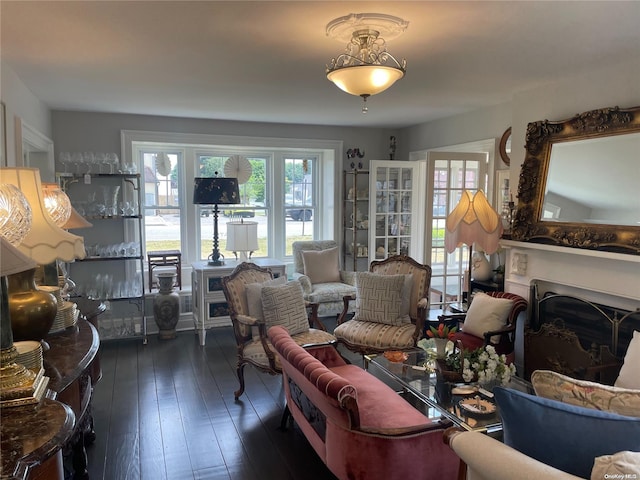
[
  {"x": 298, "y": 200},
  {"x": 162, "y": 212},
  {"x": 281, "y": 195}
]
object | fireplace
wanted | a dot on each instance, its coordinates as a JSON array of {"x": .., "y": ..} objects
[
  {"x": 595, "y": 325},
  {"x": 598, "y": 294}
]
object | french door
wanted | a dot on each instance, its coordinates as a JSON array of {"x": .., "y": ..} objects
[{"x": 449, "y": 173}]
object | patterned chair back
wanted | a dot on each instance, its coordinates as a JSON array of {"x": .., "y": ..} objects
[{"x": 404, "y": 265}]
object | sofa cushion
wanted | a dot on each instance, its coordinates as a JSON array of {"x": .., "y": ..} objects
[
  {"x": 330, "y": 292},
  {"x": 379, "y": 298},
  {"x": 487, "y": 313},
  {"x": 564, "y": 436},
  {"x": 378, "y": 336},
  {"x": 284, "y": 305},
  {"x": 378, "y": 404},
  {"x": 587, "y": 394},
  {"x": 619, "y": 466},
  {"x": 629, "y": 376},
  {"x": 321, "y": 266}
]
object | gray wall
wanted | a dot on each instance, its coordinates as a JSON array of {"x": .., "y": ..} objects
[{"x": 92, "y": 131}]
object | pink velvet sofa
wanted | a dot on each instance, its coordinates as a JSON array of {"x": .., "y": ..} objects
[{"x": 360, "y": 427}]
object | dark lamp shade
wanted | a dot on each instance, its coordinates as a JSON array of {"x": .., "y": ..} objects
[{"x": 216, "y": 191}]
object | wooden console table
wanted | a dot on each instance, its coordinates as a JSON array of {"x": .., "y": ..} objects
[
  {"x": 69, "y": 364},
  {"x": 209, "y": 304}
]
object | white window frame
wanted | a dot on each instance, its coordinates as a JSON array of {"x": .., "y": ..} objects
[{"x": 326, "y": 180}]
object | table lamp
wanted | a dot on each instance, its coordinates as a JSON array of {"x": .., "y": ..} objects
[
  {"x": 473, "y": 220},
  {"x": 242, "y": 237},
  {"x": 18, "y": 384},
  {"x": 216, "y": 191},
  {"x": 45, "y": 243}
]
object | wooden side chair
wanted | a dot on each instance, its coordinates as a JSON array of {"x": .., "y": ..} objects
[
  {"x": 375, "y": 326},
  {"x": 244, "y": 290}
]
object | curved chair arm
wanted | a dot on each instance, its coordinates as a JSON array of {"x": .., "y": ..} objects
[
  {"x": 489, "y": 459},
  {"x": 502, "y": 331},
  {"x": 345, "y": 308},
  {"x": 304, "y": 281},
  {"x": 247, "y": 320},
  {"x": 313, "y": 315},
  {"x": 348, "y": 277}
]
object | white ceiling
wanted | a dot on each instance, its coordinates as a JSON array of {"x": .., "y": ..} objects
[{"x": 265, "y": 61}]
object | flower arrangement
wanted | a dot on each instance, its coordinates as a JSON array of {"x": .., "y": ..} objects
[
  {"x": 442, "y": 332},
  {"x": 487, "y": 365}
]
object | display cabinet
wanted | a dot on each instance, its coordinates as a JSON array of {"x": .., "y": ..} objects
[
  {"x": 397, "y": 214},
  {"x": 209, "y": 304},
  {"x": 355, "y": 220},
  {"x": 113, "y": 270}
]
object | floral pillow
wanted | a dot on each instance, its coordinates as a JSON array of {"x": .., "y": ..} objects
[
  {"x": 625, "y": 464},
  {"x": 582, "y": 393},
  {"x": 629, "y": 376}
]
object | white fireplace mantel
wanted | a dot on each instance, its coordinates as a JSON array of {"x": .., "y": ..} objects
[{"x": 608, "y": 278}]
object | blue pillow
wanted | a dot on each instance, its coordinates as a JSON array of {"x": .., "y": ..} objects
[{"x": 564, "y": 436}]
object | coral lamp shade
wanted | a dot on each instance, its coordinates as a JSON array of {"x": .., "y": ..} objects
[
  {"x": 45, "y": 242},
  {"x": 473, "y": 221}
]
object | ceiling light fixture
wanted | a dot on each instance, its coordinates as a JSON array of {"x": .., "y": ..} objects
[{"x": 366, "y": 67}]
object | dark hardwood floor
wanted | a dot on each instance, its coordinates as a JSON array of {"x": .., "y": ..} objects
[{"x": 166, "y": 410}]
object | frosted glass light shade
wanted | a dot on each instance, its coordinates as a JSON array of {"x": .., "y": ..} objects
[
  {"x": 15, "y": 214},
  {"x": 365, "y": 79},
  {"x": 45, "y": 242}
]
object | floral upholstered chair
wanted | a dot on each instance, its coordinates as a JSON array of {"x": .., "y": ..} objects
[
  {"x": 258, "y": 301},
  {"x": 317, "y": 267},
  {"x": 391, "y": 304}
]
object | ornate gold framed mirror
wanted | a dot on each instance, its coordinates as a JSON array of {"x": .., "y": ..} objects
[{"x": 580, "y": 182}]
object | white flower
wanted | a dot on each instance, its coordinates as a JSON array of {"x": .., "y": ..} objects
[{"x": 487, "y": 365}]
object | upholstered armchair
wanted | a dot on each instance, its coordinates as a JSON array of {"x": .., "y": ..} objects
[
  {"x": 391, "y": 306},
  {"x": 490, "y": 320},
  {"x": 317, "y": 267},
  {"x": 256, "y": 302}
]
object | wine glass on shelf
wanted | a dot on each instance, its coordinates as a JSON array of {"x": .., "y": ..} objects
[
  {"x": 65, "y": 160},
  {"x": 113, "y": 161}
]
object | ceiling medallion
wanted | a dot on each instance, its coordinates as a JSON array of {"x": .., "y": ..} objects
[{"x": 366, "y": 67}]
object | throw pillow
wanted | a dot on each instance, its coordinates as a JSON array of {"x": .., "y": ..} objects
[
  {"x": 629, "y": 376},
  {"x": 621, "y": 465},
  {"x": 407, "y": 289},
  {"x": 321, "y": 266},
  {"x": 564, "y": 436},
  {"x": 487, "y": 313},
  {"x": 254, "y": 295},
  {"x": 284, "y": 305},
  {"x": 587, "y": 394},
  {"x": 379, "y": 298}
]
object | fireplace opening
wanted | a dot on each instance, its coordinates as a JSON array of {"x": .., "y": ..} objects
[{"x": 576, "y": 337}]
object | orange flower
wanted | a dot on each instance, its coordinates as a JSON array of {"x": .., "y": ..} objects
[{"x": 442, "y": 332}]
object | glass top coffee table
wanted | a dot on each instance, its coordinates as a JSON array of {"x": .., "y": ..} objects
[{"x": 464, "y": 404}]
